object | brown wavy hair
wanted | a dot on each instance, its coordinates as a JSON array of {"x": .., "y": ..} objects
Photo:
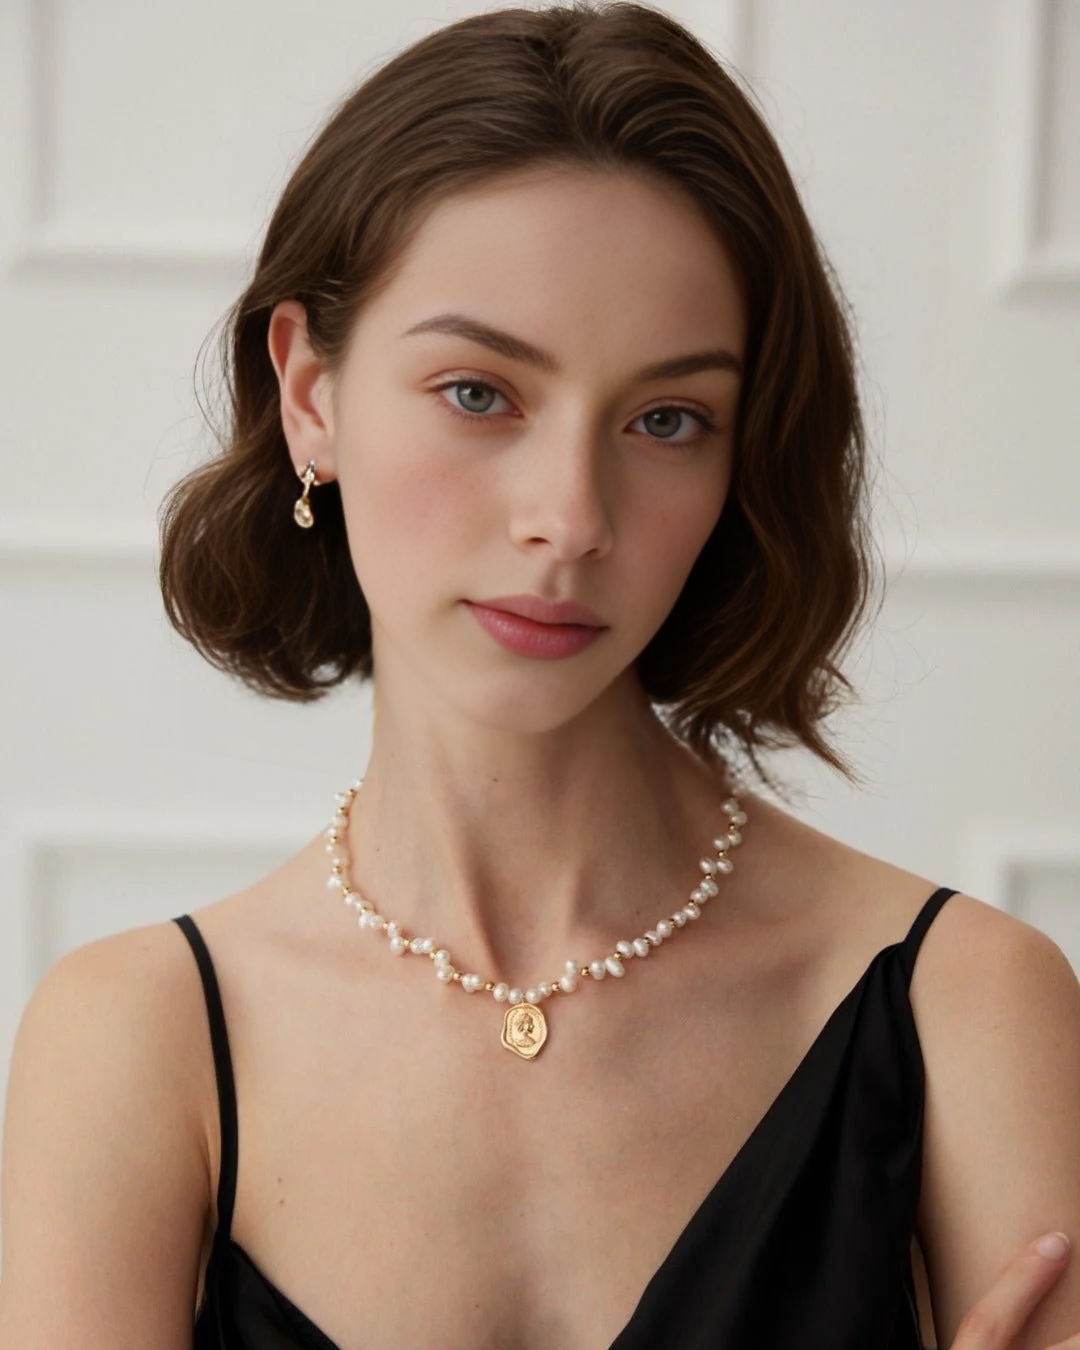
[{"x": 748, "y": 658}]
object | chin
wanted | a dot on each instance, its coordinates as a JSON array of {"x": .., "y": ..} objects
[{"x": 528, "y": 707}]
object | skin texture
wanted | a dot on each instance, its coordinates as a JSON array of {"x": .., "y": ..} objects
[{"x": 400, "y": 1178}]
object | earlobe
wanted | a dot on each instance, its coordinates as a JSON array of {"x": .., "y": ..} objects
[{"x": 302, "y": 385}]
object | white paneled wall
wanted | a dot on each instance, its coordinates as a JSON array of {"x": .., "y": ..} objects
[{"x": 141, "y": 149}]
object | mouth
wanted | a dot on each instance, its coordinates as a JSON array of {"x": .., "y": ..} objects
[
  {"x": 543, "y": 611},
  {"x": 532, "y": 626}
]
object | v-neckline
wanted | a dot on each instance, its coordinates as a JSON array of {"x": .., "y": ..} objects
[{"x": 321, "y": 1341}]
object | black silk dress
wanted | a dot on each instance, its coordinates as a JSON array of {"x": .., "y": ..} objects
[{"x": 802, "y": 1244}]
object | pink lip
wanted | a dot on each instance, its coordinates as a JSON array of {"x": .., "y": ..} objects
[
  {"x": 532, "y": 626},
  {"x": 538, "y": 609}
]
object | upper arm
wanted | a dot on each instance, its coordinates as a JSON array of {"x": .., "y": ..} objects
[
  {"x": 998, "y": 1011},
  {"x": 104, "y": 1183}
]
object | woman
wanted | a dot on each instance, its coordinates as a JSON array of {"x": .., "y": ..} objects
[{"x": 542, "y": 332}]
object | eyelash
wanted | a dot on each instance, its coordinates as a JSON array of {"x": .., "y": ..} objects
[{"x": 707, "y": 424}]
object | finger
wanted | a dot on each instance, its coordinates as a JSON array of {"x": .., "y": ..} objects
[{"x": 1001, "y": 1314}]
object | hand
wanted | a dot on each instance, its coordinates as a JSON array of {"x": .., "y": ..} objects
[{"x": 999, "y": 1317}]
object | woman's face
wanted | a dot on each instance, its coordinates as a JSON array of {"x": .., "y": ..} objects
[{"x": 540, "y": 404}]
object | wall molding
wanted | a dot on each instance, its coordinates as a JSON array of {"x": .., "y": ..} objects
[
  {"x": 992, "y": 854},
  {"x": 1030, "y": 264},
  {"x": 77, "y": 541},
  {"x": 55, "y": 241},
  {"x": 726, "y": 26},
  {"x": 28, "y": 839},
  {"x": 975, "y": 560}
]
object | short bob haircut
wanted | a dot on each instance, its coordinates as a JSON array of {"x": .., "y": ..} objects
[{"x": 749, "y": 656}]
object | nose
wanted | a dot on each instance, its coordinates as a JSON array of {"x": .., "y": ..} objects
[{"x": 563, "y": 494}]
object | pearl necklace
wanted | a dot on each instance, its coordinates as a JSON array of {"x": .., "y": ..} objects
[{"x": 524, "y": 1025}]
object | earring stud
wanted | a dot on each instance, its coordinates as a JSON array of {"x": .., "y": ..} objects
[{"x": 302, "y": 513}]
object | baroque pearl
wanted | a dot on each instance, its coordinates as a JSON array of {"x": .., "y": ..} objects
[{"x": 639, "y": 947}]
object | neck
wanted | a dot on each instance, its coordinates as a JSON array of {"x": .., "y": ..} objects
[{"x": 517, "y": 851}]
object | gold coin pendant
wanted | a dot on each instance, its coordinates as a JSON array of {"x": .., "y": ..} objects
[{"x": 524, "y": 1030}]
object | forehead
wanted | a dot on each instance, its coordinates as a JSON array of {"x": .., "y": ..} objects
[{"x": 604, "y": 263}]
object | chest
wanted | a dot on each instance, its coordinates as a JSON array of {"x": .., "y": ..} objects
[{"x": 406, "y": 1180}]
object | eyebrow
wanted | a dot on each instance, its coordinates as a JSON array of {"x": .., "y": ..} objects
[{"x": 517, "y": 349}]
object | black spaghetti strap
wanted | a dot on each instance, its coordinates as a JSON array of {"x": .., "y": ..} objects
[
  {"x": 925, "y": 917},
  {"x": 219, "y": 1041}
]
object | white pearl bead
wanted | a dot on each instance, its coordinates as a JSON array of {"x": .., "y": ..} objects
[
  {"x": 373, "y": 920},
  {"x": 641, "y": 947},
  {"x": 597, "y": 970},
  {"x": 568, "y": 984},
  {"x": 709, "y": 887},
  {"x": 665, "y": 928},
  {"x": 738, "y": 817},
  {"x": 624, "y": 948},
  {"x": 678, "y": 918},
  {"x": 532, "y": 996},
  {"x": 392, "y": 929},
  {"x": 514, "y": 996},
  {"x": 653, "y": 937},
  {"x": 725, "y": 865},
  {"x": 544, "y": 989},
  {"x": 398, "y": 945},
  {"x": 696, "y": 894},
  {"x": 442, "y": 956},
  {"x": 500, "y": 992},
  {"x": 691, "y": 910},
  {"x": 708, "y": 866},
  {"x": 614, "y": 965},
  {"x": 335, "y": 882},
  {"x": 572, "y": 967},
  {"x": 730, "y": 806},
  {"x": 342, "y": 798},
  {"x": 444, "y": 974},
  {"x": 340, "y": 823},
  {"x": 471, "y": 983},
  {"x": 734, "y": 838}
]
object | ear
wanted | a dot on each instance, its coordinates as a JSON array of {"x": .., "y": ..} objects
[{"x": 306, "y": 409}]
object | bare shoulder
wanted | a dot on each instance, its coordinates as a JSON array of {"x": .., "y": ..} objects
[
  {"x": 985, "y": 977},
  {"x": 105, "y": 1170},
  {"x": 847, "y": 904},
  {"x": 997, "y": 1006}
]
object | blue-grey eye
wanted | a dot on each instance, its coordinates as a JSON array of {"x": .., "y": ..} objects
[
  {"x": 668, "y": 424},
  {"x": 473, "y": 397}
]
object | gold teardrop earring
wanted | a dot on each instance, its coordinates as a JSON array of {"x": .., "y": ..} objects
[{"x": 302, "y": 510}]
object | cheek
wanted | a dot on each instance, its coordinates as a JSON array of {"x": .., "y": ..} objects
[
  {"x": 671, "y": 532},
  {"x": 410, "y": 514}
]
